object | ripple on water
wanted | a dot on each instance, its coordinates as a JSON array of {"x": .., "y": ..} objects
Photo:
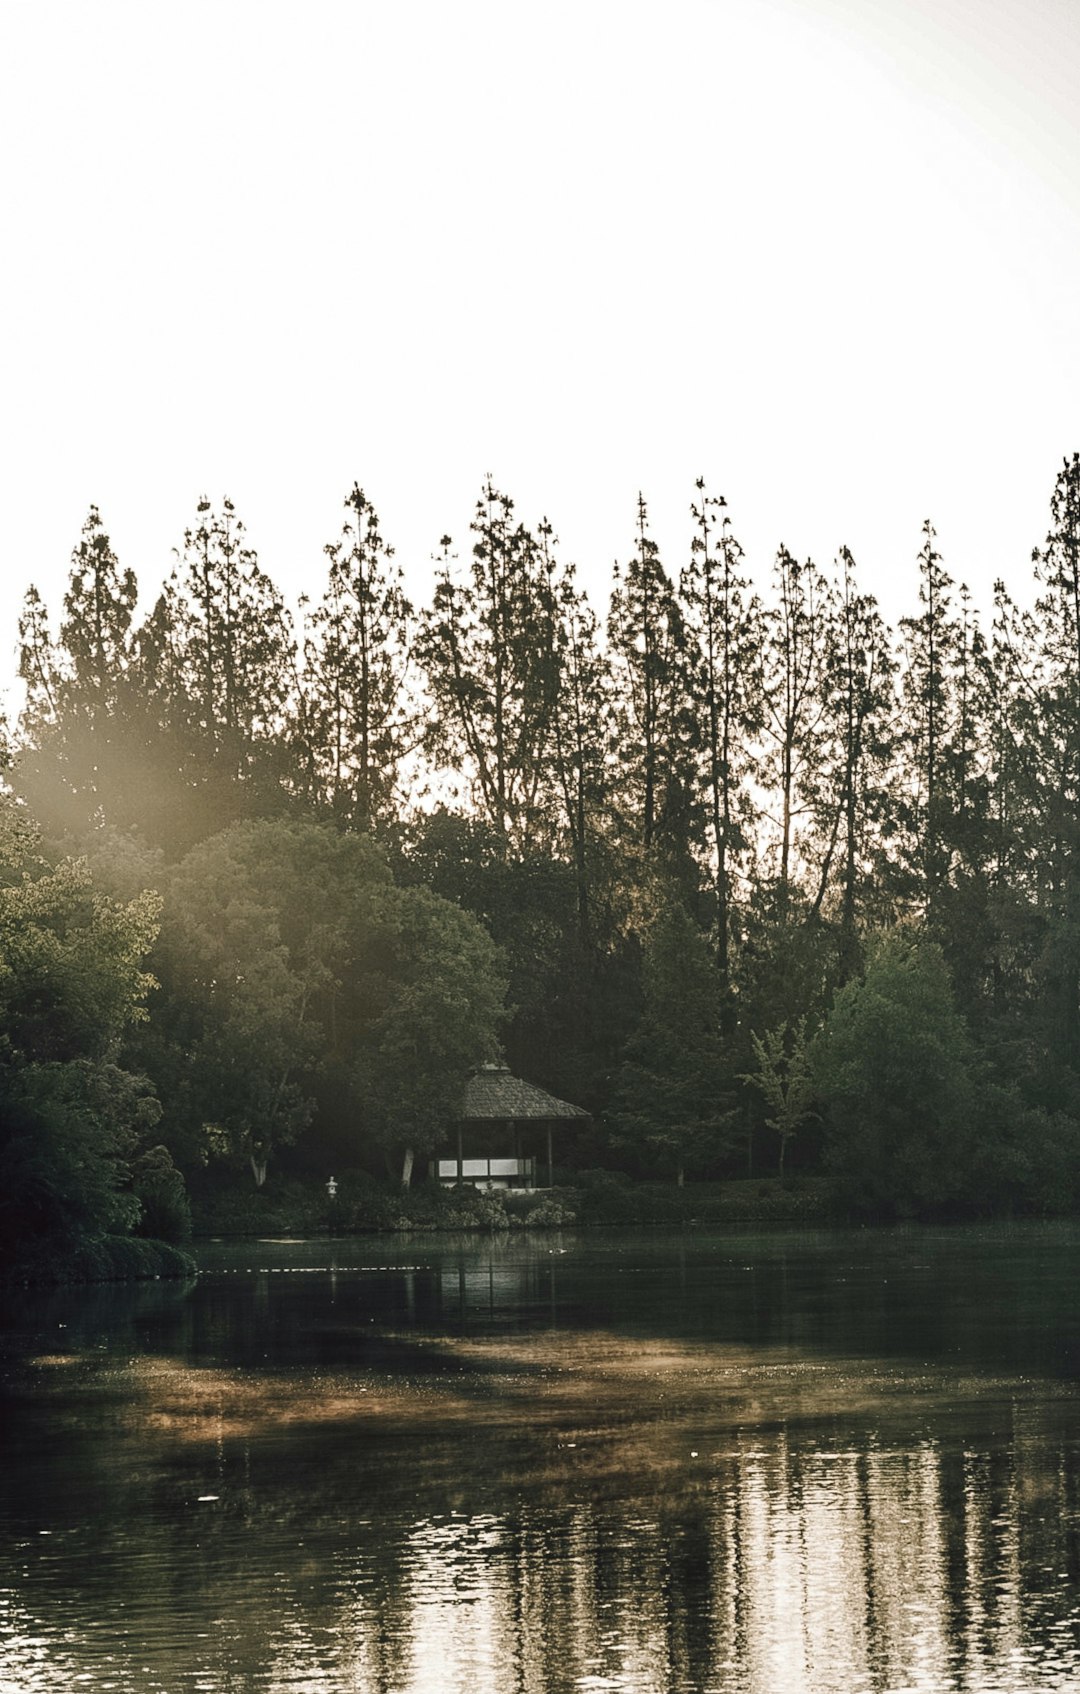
[{"x": 295, "y": 1483}]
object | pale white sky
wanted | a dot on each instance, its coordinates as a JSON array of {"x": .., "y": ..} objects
[{"x": 824, "y": 252}]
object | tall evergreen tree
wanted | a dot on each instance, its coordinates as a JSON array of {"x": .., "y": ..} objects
[
  {"x": 655, "y": 731},
  {"x": 579, "y": 750},
  {"x": 1055, "y": 728},
  {"x": 232, "y": 636},
  {"x": 38, "y": 666},
  {"x": 74, "y": 727},
  {"x": 356, "y": 718},
  {"x": 95, "y": 633},
  {"x": 724, "y": 620},
  {"x": 930, "y": 645},
  {"x": 851, "y": 786},
  {"x": 797, "y": 627},
  {"x": 1019, "y": 845},
  {"x": 489, "y": 649}
]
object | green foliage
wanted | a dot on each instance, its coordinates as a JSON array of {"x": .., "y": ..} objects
[
  {"x": 254, "y": 938},
  {"x": 441, "y": 999},
  {"x": 287, "y": 954},
  {"x": 231, "y": 639},
  {"x": 896, "y": 1067},
  {"x": 75, "y": 716},
  {"x": 102, "y": 1258},
  {"x": 789, "y": 774},
  {"x": 70, "y": 963},
  {"x": 489, "y": 648},
  {"x": 569, "y": 995},
  {"x": 797, "y": 634},
  {"x": 541, "y": 1211},
  {"x": 72, "y": 982},
  {"x": 69, "y": 1131},
  {"x": 851, "y": 787},
  {"x": 674, "y": 1088},
  {"x": 353, "y": 714},
  {"x": 165, "y": 1210},
  {"x": 225, "y": 1202},
  {"x": 655, "y": 729},
  {"x": 725, "y": 623},
  {"x": 365, "y": 1204},
  {"x": 784, "y": 1080}
]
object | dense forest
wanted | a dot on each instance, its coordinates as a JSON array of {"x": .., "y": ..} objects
[{"x": 761, "y": 882}]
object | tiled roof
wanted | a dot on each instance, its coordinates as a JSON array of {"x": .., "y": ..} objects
[{"x": 492, "y": 1093}]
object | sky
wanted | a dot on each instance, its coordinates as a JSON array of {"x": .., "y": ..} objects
[{"x": 823, "y": 253}]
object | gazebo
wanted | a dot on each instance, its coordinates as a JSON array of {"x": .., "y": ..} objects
[{"x": 497, "y": 1109}]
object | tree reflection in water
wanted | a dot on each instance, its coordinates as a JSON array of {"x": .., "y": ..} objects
[{"x": 377, "y": 1482}]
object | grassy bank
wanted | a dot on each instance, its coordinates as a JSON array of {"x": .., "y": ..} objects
[
  {"x": 363, "y": 1205},
  {"x": 109, "y": 1258}
]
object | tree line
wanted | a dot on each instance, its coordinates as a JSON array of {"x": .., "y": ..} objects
[{"x": 672, "y": 859}]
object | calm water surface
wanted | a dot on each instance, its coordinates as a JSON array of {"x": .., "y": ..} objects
[{"x": 794, "y": 1463}]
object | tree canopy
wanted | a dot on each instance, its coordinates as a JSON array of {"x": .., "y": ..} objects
[{"x": 640, "y": 846}]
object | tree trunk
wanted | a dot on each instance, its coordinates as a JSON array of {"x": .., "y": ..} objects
[
  {"x": 407, "y": 1167},
  {"x": 258, "y": 1169}
]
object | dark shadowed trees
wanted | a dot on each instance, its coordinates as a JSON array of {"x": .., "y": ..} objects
[
  {"x": 654, "y": 727},
  {"x": 851, "y": 786},
  {"x": 895, "y": 1067},
  {"x": 797, "y": 631},
  {"x": 674, "y": 1096},
  {"x": 354, "y": 717},
  {"x": 73, "y": 980},
  {"x": 75, "y": 724},
  {"x": 488, "y": 646},
  {"x": 288, "y": 955},
  {"x": 725, "y": 623}
]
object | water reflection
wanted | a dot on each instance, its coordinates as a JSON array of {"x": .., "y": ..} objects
[{"x": 520, "y": 1471}]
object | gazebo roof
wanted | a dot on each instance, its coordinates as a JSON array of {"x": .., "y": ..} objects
[{"x": 492, "y": 1093}]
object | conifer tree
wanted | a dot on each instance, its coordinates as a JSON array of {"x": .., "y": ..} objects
[
  {"x": 797, "y": 635},
  {"x": 38, "y": 666},
  {"x": 851, "y": 786},
  {"x": 655, "y": 732},
  {"x": 927, "y": 696},
  {"x": 96, "y": 629},
  {"x": 1018, "y": 847},
  {"x": 74, "y": 727},
  {"x": 582, "y": 703},
  {"x": 488, "y": 646},
  {"x": 355, "y": 722},
  {"x": 725, "y": 622},
  {"x": 230, "y": 635},
  {"x": 1055, "y": 734}
]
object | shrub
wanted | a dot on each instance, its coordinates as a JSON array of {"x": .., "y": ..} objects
[
  {"x": 159, "y": 1187},
  {"x": 105, "y": 1258},
  {"x": 550, "y": 1213}
]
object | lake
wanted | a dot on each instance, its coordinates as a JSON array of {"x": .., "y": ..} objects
[{"x": 765, "y": 1463}]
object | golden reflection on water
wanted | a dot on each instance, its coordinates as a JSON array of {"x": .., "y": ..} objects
[
  {"x": 561, "y": 1511},
  {"x": 669, "y": 1525},
  {"x": 602, "y": 1395}
]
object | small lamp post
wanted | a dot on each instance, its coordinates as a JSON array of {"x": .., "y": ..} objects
[{"x": 331, "y": 1187}]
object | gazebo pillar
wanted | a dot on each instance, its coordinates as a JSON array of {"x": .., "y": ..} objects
[
  {"x": 460, "y": 1160},
  {"x": 550, "y": 1161}
]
